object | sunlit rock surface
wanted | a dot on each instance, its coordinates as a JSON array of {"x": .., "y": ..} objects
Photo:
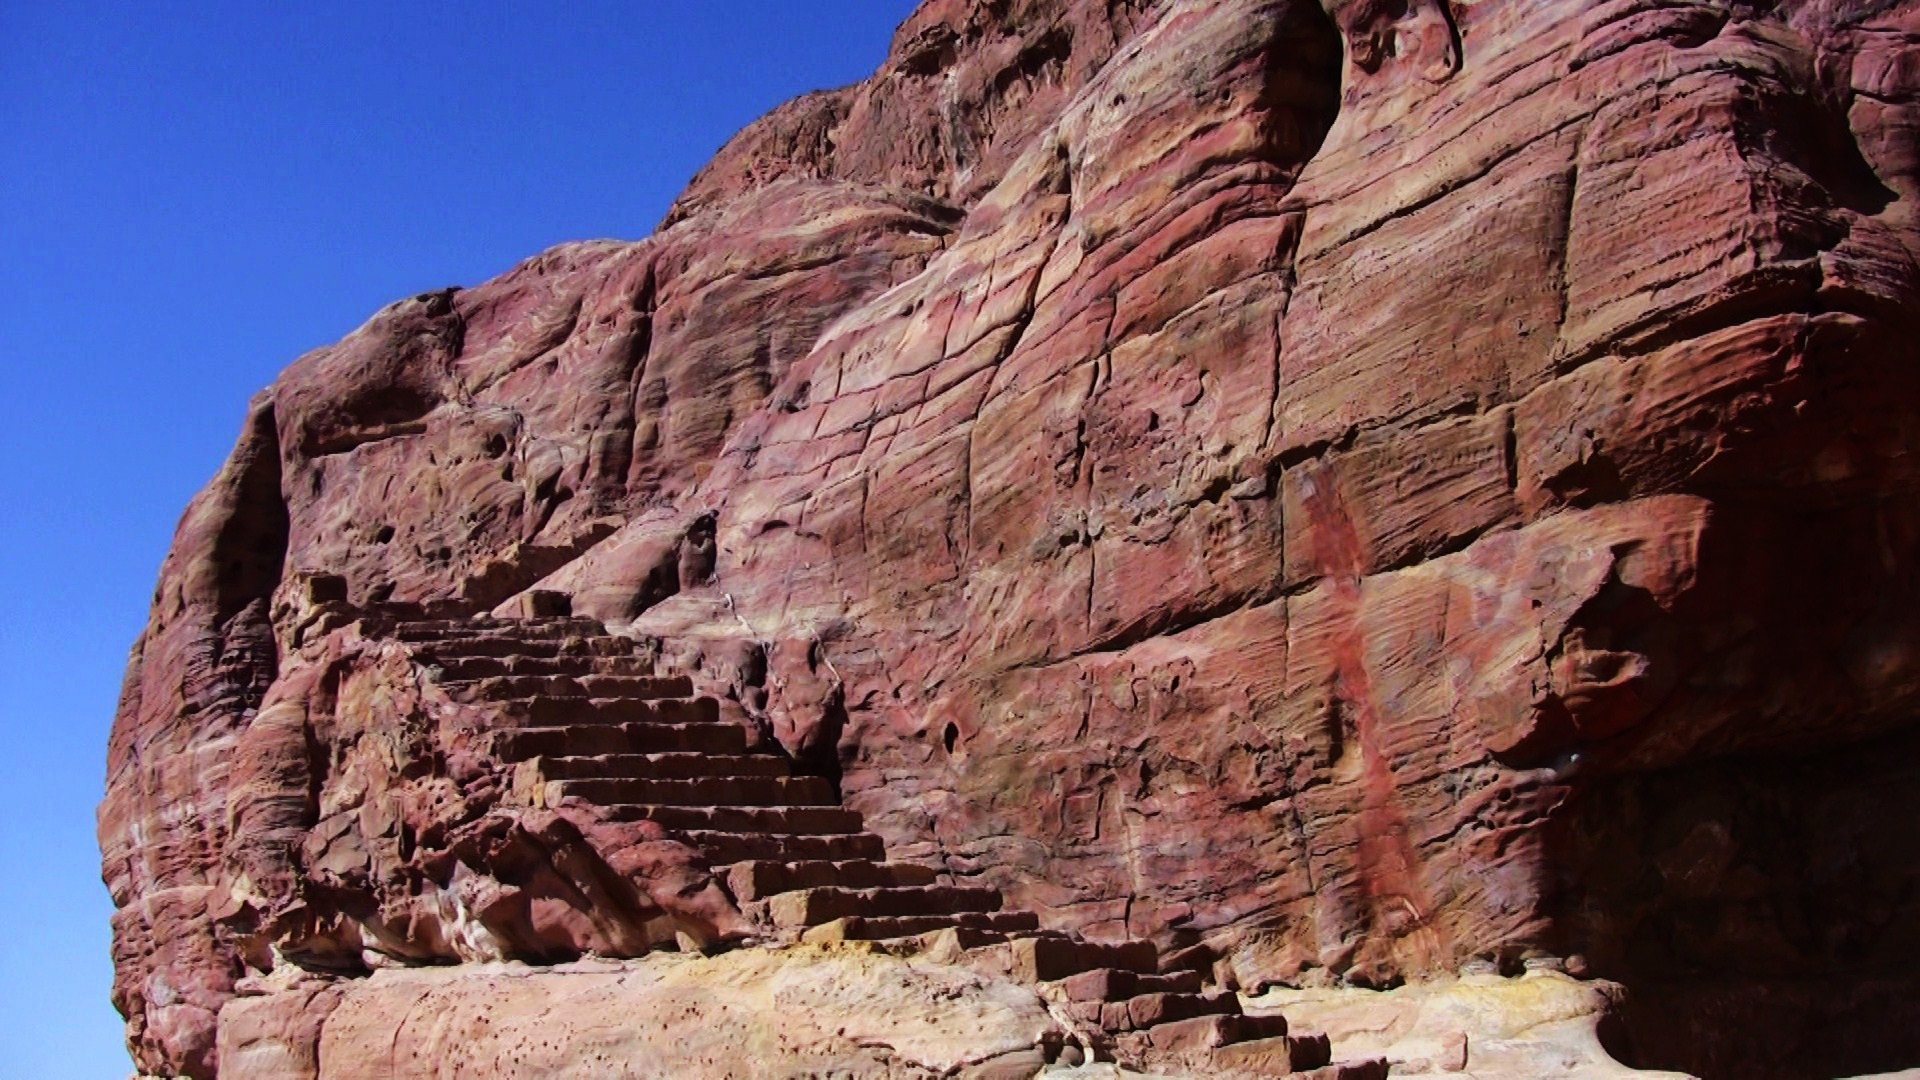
[{"x": 1350, "y": 494}]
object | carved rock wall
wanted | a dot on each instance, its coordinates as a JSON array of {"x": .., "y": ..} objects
[{"x": 1360, "y": 490}]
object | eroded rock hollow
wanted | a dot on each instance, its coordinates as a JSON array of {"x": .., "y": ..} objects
[{"x": 1329, "y": 494}]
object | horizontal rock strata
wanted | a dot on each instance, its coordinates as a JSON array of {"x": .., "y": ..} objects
[{"x": 1338, "y": 493}]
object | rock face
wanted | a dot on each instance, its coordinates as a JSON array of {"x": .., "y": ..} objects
[
  {"x": 747, "y": 1013},
  {"x": 1477, "y": 1027},
  {"x": 1342, "y": 492}
]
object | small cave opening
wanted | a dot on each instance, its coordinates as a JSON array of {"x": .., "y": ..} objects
[
  {"x": 250, "y": 547},
  {"x": 1303, "y": 88}
]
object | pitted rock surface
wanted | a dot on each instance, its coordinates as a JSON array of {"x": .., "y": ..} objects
[{"x": 1340, "y": 493}]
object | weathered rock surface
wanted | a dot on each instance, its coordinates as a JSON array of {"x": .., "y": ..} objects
[
  {"x": 1345, "y": 493},
  {"x": 1541, "y": 1026},
  {"x": 1476, "y": 1027},
  {"x": 748, "y": 1013}
]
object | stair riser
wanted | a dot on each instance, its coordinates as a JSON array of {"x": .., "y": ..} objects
[
  {"x": 523, "y": 743},
  {"x": 505, "y": 688},
  {"x": 813, "y": 907},
  {"x": 556, "y": 712},
  {"x": 769, "y": 791},
  {"x": 773, "y": 821},
  {"x": 1110, "y": 984},
  {"x": 1152, "y": 1010},
  {"x": 1277, "y": 1056},
  {"x": 519, "y": 630},
  {"x": 886, "y": 929},
  {"x": 488, "y": 667},
  {"x": 1194, "y": 1039},
  {"x": 464, "y": 648},
  {"x": 1053, "y": 958},
  {"x": 759, "y": 880},
  {"x": 734, "y": 847}
]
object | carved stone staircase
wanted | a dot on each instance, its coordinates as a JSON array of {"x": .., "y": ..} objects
[{"x": 583, "y": 716}]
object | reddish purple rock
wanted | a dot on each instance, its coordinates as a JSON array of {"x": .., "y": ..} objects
[{"x": 1354, "y": 492}]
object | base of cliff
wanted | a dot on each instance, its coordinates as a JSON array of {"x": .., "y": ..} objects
[{"x": 845, "y": 1012}]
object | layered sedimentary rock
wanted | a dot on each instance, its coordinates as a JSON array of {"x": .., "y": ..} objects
[{"x": 1341, "y": 492}]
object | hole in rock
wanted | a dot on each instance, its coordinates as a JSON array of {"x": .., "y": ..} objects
[
  {"x": 1301, "y": 98},
  {"x": 251, "y": 545},
  {"x": 950, "y": 737}
]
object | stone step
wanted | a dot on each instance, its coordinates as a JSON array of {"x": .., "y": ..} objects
[
  {"x": 667, "y": 766},
  {"x": 701, "y": 792},
  {"x": 1366, "y": 1069},
  {"x": 771, "y": 820},
  {"x": 886, "y": 928},
  {"x": 1233, "y": 1045},
  {"x": 1280, "y": 1055},
  {"x": 469, "y": 668},
  {"x": 813, "y": 907},
  {"x": 1052, "y": 958},
  {"x": 519, "y": 744},
  {"x": 425, "y": 630},
  {"x": 721, "y": 847},
  {"x": 983, "y": 950},
  {"x": 1198, "y": 1034},
  {"x": 760, "y": 879},
  {"x": 501, "y": 646},
  {"x": 591, "y": 685},
  {"x": 560, "y": 712},
  {"x": 1145, "y": 1011},
  {"x": 1114, "y": 984}
]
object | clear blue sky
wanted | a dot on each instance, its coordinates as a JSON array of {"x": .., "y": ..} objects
[{"x": 190, "y": 196}]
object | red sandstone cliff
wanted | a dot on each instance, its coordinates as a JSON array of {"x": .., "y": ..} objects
[{"x": 1357, "y": 491}]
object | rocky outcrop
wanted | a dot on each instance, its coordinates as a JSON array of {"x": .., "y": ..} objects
[
  {"x": 1344, "y": 493},
  {"x": 751, "y": 1013},
  {"x": 1479, "y": 1026}
]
